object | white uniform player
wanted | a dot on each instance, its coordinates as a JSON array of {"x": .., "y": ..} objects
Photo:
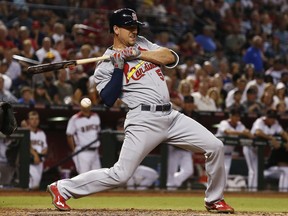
[
  {"x": 142, "y": 179},
  {"x": 265, "y": 127},
  {"x": 180, "y": 167},
  {"x": 134, "y": 74},
  {"x": 82, "y": 129},
  {"x": 231, "y": 127},
  {"x": 38, "y": 149}
]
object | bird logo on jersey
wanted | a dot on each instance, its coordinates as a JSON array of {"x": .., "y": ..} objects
[{"x": 138, "y": 71}]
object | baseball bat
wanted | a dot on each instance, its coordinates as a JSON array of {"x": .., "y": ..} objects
[
  {"x": 41, "y": 68},
  {"x": 28, "y": 60}
]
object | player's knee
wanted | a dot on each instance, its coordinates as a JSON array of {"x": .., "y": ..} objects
[{"x": 121, "y": 175}]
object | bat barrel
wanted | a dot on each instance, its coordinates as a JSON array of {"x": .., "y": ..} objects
[{"x": 50, "y": 67}]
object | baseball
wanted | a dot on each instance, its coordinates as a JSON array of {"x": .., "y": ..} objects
[{"x": 85, "y": 102}]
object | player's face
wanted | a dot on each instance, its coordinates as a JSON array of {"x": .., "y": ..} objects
[{"x": 127, "y": 35}]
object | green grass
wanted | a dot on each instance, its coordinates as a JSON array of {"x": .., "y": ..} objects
[{"x": 262, "y": 204}]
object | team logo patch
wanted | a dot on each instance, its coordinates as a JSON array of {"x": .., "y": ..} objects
[{"x": 134, "y": 17}]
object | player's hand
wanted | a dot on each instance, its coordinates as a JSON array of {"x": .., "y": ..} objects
[
  {"x": 130, "y": 53},
  {"x": 117, "y": 60}
]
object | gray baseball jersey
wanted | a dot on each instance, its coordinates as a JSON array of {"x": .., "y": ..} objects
[
  {"x": 151, "y": 90},
  {"x": 145, "y": 128}
]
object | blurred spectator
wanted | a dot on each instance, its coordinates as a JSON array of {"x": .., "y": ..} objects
[
  {"x": 7, "y": 79},
  {"x": 188, "y": 67},
  {"x": 26, "y": 96},
  {"x": 282, "y": 34},
  {"x": 22, "y": 17},
  {"x": 58, "y": 32},
  {"x": 267, "y": 102},
  {"x": 91, "y": 40},
  {"x": 240, "y": 85},
  {"x": 85, "y": 52},
  {"x": 202, "y": 100},
  {"x": 249, "y": 72},
  {"x": 5, "y": 94},
  {"x": 163, "y": 39},
  {"x": 174, "y": 95},
  {"x": 184, "y": 89},
  {"x": 83, "y": 90},
  {"x": 252, "y": 106},
  {"x": 273, "y": 49},
  {"x": 52, "y": 90},
  {"x": 65, "y": 90},
  {"x": 14, "y": 68},
  {"x": 46, "y": 51},
  {"x": 188, "y": 46},
  {"x": 253, "y": 54},
  {"x": 281, "y": 108},
  {"x": 24, "y": 34},
  {"x": 284, "y": 80},
  {"x": 258, "y": 81},
  {"x": 237, "y": 104},
  {"x": 214, "y": 93},
  {"x": 234, "y": 43},
  {"x": 4, "y": 41},
  {"x": 280, "y": 94},
  {"x": 27, "y": 52},
  {"x": 218, "y": 58},
  {"x": 225, "y": 75},
  {"x": 188, "y": 106},
  {"x": 41, "y": 95},
  {"x": 276, "y": 70},
  {"x": 206, "y": 39}
]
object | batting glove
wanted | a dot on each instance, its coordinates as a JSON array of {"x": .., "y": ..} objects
[
  {"x": 130, "y": 53},
  {"x": 117, "y": 60}
]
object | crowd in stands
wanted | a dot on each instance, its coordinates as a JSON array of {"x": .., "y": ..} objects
[{"x": 233, "y": 53}]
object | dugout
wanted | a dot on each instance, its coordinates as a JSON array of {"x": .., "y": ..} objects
[{"x": 53, "y": 120}]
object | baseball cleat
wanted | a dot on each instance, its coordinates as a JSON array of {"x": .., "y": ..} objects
[
  {"x": 57, "y": 200},
  {"x": 219, "y": 206}
]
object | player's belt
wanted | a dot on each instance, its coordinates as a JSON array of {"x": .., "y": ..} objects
[{"x": 162, "y": 108}]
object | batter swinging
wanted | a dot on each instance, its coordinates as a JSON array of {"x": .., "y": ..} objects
[{"x": 134, "y": 74}]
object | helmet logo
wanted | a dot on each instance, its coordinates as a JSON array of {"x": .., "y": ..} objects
[{"x": 134, "y": 17}]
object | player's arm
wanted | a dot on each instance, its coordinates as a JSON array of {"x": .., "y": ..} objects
[
  {"x": 259, "y": 133},
  {"x": 161, "y": 56},
  {"x": 111, "y": 92},
  {"x": 71, "y": 142},
  {"x": 284, "y": 135},
  {"x": 245, "y": 133},
  {"x": 36, "y": 158}
]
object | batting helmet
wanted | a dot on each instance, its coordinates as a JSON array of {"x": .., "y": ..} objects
[{"x": 124, "y": 17}]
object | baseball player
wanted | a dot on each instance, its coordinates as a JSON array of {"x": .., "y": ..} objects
[
  {"x": 82, "y": 129},
  {"x": 180, "y": 167},
  {"x": 265, "y": 127},
  {"x": 142, "y": 179},
  {"x": 232, "y": 127},
  {"x": 134, "y": 74},
  {"x": 38, "y": 149}
]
